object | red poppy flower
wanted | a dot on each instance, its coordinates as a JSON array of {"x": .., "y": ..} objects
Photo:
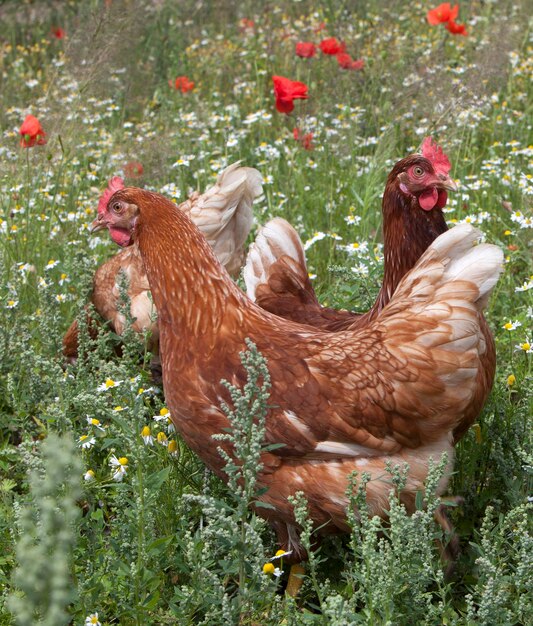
[
  {"x": 456, "y": 29},
  {"x": 182, "y": 83},
  {"x": 113, "y": 185},
  {"x": 133, "y": 169},
  {"x": 305, "y": 49},
  {"x": 286, "y": 91},
  {"x": 246, "y": 24},
  {"x": 304, "y": 138},
  {"x": 443, "y": 13},
  {"x": 58, "y": 33},
  {"x": 332, "y": 46},
  {"x": 31, "y": 132},
  {"x": 346, "y": 62}
]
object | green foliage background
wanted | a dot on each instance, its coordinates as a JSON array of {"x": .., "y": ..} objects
[{"x": 169, "y": 543}]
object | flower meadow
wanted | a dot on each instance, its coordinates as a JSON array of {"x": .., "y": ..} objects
[{"x": 106, "y": 517}]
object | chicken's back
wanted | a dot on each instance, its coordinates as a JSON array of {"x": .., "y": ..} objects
[
  {"x": 224, "y": 213},
  {"x": 277, "y": 280}
]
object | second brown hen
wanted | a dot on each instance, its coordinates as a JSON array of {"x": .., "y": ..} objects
[
  {"x": 276, "y": 272},
  {"x": 223, "y": 214}
]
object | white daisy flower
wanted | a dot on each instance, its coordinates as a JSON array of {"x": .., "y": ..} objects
[
  {"x": 108, "y": 384},
  {"x": 511, "y": 325},
  {"x": 121, "y": 467},
  {"x": 86, "y": 442},
  {"x": 92, "y": 421}
]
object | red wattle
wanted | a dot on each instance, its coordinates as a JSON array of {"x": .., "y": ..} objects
[
  {"x": 428, "y": 199},
  {"x": 443, "y": 198},
  {"x": 120, "y": 236}
]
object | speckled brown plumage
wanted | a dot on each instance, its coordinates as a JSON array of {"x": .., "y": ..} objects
[{"x": 341, "y": 402}]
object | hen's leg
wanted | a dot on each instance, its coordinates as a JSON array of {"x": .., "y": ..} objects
[
  {"x": 450, "y": 550},
  {"x": 296, "y": 578}
]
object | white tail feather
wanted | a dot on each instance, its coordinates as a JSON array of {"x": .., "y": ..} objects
[
  {"x": 275, "y": 239},
  {"x": 224, "y": 213},
  {"x": 479, "y": 264},
  {"x": 443, "y": 295},
  {"x": 452, "y": 258}
]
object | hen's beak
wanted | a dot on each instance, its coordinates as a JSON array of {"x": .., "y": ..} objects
[
  {"x": 445, "y": 182},
  {"x": 98, "y": 224}
]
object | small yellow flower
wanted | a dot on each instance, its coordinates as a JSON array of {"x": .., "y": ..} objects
[
  {"x": 268, "y": 568},
  {"x": 164, "y": 411},
  {"x": 162, "y": 438},
  {"x": 511, "y": 379},
  {"x": 86, "y": 442},
  {"x": 92, "y": 620},
  {"x": 173, "y": 447},
  {"x": 281, "y": 553}
]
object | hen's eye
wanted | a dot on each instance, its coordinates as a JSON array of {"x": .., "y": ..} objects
[
  {"x": 418, "y": 171},
  {"x": 117, "y": 207}
]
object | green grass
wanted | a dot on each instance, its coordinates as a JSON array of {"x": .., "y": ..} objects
[{"x": 165, "y": 545}]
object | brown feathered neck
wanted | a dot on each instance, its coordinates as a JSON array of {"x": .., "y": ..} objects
[
  {"x": 189, "y": 286},
  {"x": 408, "y": 231}
]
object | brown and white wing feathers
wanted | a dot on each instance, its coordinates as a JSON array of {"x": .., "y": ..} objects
[
  {"x": 275, "y": 241},
  {"x": 403, "y": 381},
  {"x": 277, "y": 279}
]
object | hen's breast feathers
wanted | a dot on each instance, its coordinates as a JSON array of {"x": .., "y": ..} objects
[{"x": 106, "y": 291}]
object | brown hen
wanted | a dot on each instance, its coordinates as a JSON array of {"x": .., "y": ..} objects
[
  {"x": 223, "y": 214},
  {"x": 276, "y": 272},
  {"x": 340, "y": 402}
]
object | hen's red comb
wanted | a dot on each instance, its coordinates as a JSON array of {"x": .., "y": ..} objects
[
  {"x": 113, "y": 185},
  {"x": 434, "y": 153}
]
